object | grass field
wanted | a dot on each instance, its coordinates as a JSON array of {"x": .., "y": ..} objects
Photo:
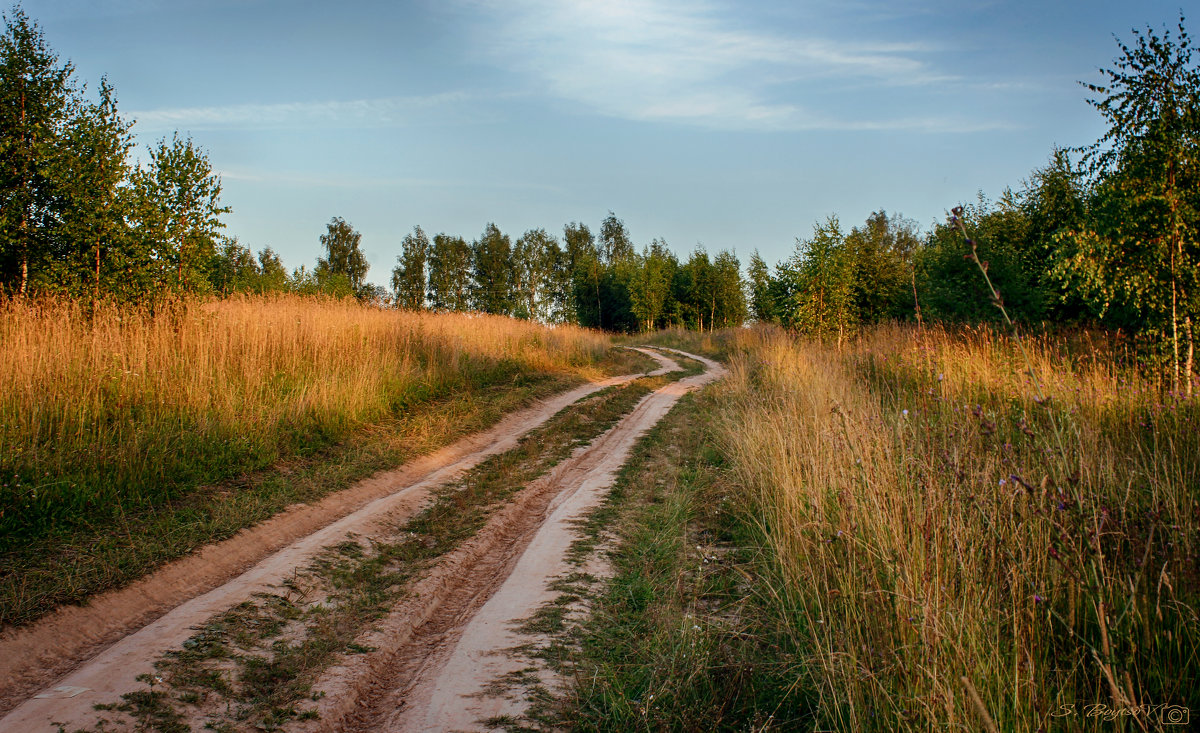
[
  {"x": 965, "y": 553},
  {"x": 920, "y": 529},
  {"x": 111, "y": 422}
]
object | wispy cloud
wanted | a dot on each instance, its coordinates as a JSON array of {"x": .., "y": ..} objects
[
  {"x": 381, "y": 112},
  {"x": 670, "y": 60}
]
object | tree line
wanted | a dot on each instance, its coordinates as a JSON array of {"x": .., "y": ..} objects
[
  {"x": 583, "y": 279},
  {"x": 594, "y": 280},
  {"x": 1103, "y": 234}
]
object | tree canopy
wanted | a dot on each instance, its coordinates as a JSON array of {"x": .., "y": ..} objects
[
  {"x": 1137, "y": 250},
  {"x": 344, "y": 267}
]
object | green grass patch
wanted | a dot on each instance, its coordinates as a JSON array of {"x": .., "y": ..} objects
[{"x": 685, "y": 635}]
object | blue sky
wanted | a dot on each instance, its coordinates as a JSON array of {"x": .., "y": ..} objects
[{"x": 730, "y": 124}]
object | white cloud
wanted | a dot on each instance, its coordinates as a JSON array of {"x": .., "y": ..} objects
[
  {"x": 670, "y": 60},
  {"x": 354, "y": 113}
]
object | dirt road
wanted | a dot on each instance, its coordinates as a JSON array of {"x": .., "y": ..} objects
[
  {"x": 450, "y": 689},
  {"x": 431, "y": 653}
]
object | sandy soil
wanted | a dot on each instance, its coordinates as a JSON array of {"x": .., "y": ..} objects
[
  {"x": 56, "y": 669},
  {"x": 437, "y": 654}
]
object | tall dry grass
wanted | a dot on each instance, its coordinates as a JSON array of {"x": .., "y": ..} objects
[
  {"x": 963, "y": 555},
  {"x": 101, "y": 412}
]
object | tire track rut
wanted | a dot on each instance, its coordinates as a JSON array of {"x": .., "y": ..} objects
[
  {"x": 118, "y": 636},
  {"x": 437, "y": 653}
]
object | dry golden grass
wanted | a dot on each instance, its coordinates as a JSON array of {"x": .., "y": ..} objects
[
  {"x": 123, "y": 408},
  {"x": 964, "y": 555}
]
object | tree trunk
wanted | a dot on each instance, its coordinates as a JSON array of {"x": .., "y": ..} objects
[
  {"x": 916, "y": 300},
  {"x": 1176, "y": 254},
  {"x": 24, "y": 245},
  {"x": 1175, "y": 338},
  {"x": 96, "y": 292},
  {"x": 1174, "y": 327},
  {"x": 599, "y": 314},
  {"x": 24, "y": 217},
  {"x": 1191, "y": 350}
]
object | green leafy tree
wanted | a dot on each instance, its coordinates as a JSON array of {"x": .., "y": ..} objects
[
  {"x": 408, "y": 277},
  {"x": 763, "y": 291},
  {"x": 1055, "y": 202},
  {"x": 373, "y": 295},
  {"x": 303, "y": 282},
  {"x": 493, "y": 275},
  {"x": 449, "y": 283},
  {"x": 234, "y": 269},
  {"x": 1139, "y": 248},
  {"x": 615, "y": 286},
  {"x": 728, "y": 291},
  {"x": 602, "y": 274},
  {"x": 95, "y": 247},
  {"x": 535, "y": 256},
  {"x": 178, "y": 210},
  {"x": 273, "y": 278},
  {"x": 881, "y": 254},
  {"x": 582, "y": 261},
  {"x": 949, "y": 284},
  {"x": 672, "y": 310},
  {"x": 615, "y": 244},
  {"x": 650, "y": 289},
  {"x": 320, "y": 281},
  {"x": 695, "y": 291},
  {"x": 616, "y": 272},
  {"x": 821, "y": 275},
  {"x": 35, "y": 103},
  {"x": 560, "y": 302},
  {"x": 343, "y": 269}
]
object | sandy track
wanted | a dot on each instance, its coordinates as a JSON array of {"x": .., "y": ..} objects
[
  {"x": 437, "y": 652},
  {"x": 118, "y": 635}
]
